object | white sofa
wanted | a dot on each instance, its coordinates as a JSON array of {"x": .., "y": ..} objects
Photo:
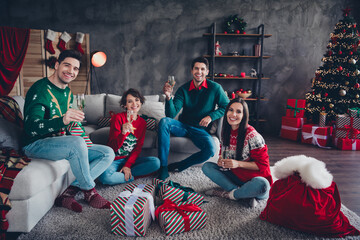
[{"x": 38, "y": 184}]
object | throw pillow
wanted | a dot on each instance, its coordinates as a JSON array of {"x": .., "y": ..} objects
[
  {"x": 104, "y": 122},
  {"x": 150, "y": 122}
]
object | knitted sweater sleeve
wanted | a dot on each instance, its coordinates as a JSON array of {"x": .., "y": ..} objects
[
  {"x": 173, "y": 106},
  {"x": 116, "y": 138}
]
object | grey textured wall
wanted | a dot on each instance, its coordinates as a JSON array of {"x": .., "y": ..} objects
[{"x": 147, "y": 40}]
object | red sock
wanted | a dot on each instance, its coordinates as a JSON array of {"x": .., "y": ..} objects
[
  {"x": 95, "y": 200},
  {"x": 64, "y": 38},
  {"x": 50, "y": 37},
  {"x": 67, "y": 199},
  {"x": 79, "y": 40}
]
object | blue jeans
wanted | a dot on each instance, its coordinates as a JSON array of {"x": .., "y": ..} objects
[
  {"x": 200, "y": 137},
  {"x": 86, "y": 163},
  {"x": 142, "y": 166},
  {"x": 257, "y": 187}
]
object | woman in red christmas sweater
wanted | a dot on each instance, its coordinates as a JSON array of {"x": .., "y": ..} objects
[
  {"x": 126, "y": 138},
  {"x": 242, "y": 170}
]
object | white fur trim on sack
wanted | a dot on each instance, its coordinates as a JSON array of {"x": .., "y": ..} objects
[{"x": 312, "y": 171}]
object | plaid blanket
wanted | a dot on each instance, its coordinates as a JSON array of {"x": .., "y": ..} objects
[{"x": 11, "y": 162}]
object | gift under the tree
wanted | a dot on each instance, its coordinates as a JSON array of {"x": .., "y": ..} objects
[
  {"x": 347, "y": 144},
  {"x": 177, "y": 193},
  {"x": 354, "y": 112},
  {"x": 180, "y": 217},
  {"x": 132, "y": 210},
  {"x": 291, "y": 127},
  {"x": 347, "y": 127},
  {"x": 295, "y": 108},
  {"x": 318, "y": 136},
  {"x": 322, "y": 119}
]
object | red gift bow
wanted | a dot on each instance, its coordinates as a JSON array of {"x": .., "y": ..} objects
[{"x": 169, "y": 205}]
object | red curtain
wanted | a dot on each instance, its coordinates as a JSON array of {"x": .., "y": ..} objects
[{"x": 13, "y": 45}]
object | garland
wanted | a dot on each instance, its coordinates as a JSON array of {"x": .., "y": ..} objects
[{"x": 234, "y": 24}]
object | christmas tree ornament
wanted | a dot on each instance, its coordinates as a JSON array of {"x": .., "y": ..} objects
[
  {"x": 340, "y": 68},
  {"x": 79, "y": 40},
  {"x": 351, "y": 53},
  {"x": 352, "y": 61},
  {"x": 50, "y": 37},
  {"x": 357, "y": 72},
  {"x": 342, "y": 92},
  {"x": 326, "y": 94},
  {"x": 357, "y": 85},
  {"x": 357, "y": 96},
  {"x": 331, "y": 105},
  {"x": 340, "y": 52},
  {"x": 64, "y": 38},
  {"x": 346, "y": 83},
  {"x": 308, "y": 105}
]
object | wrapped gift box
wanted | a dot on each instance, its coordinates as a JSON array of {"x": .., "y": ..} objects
[
  {"x": 322, "y": 119},
  {"x": 347, "y": 144},
  {"x": 291, "y": 128},
  {"x": 313, "y": 134},
  {"x": 295, "y": 108},
  {"x": 177, "y": 193},
  {"x": 354, "y": 112},
  {"x": 347, "y": 127},
  {"x": 180, "y": 217},
  {"x": 132, "y": 210}
]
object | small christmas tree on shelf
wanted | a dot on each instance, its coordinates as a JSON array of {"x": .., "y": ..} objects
[{"x": 336, "y": 87}]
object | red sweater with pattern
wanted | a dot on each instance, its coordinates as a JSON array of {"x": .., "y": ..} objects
[
  {"x": 128, "y": 145},
  {"x": 255, "y": 150}
]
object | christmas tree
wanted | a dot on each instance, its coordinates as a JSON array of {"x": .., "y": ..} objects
[{"x": 335, "y": 87}]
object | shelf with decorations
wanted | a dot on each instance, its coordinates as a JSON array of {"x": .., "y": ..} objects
[{"x": 235, "y": 32}]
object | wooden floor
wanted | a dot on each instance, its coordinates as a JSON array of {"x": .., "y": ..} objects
[{"x": 343, "y": 165}]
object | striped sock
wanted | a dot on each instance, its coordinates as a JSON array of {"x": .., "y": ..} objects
[
  {"x": 95, "y": 200},
  {"x": 67, "y": 199}
]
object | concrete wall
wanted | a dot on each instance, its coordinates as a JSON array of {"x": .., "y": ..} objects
[{"x": 147, "y": 40}]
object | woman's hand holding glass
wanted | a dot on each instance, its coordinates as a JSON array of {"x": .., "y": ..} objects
[{"x": 128, "y": 127}]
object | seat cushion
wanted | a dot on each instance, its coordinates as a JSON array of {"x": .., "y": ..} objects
[
  {"x": 94, "y": 107},
  {"x": 39, "y": 174}
]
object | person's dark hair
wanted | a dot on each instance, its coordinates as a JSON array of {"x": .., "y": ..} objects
[
  {"x": 200, "y": 60},
  {"x": 70, "y": 53},
  {"x": 133, "y": 92},
  {"x": 226, "y": 128}
]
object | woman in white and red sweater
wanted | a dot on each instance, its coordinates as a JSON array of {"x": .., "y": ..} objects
[
  {"x": 245, "y": 171},
  {"x": 126, "y": 138}
]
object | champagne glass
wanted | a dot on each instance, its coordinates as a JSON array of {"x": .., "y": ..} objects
[
  {"x": 80, "y": 101},
  {"x": 129, "y": 115},
  {"x": 225, "y": 152},
  {"x": 171, "y": 80}
]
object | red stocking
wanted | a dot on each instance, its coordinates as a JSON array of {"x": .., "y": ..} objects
[
  {"x": 79, "y": 40},
  {"x": 50, "y": 37},
  {"x": 64, "y": 38}
]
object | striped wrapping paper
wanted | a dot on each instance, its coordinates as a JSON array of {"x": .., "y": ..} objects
[
  {"x": 177, "y": 194},
  {"x": 140, "y": 208},
  {"x": 173, "y": 222},
  {"x": 347, "y": 127},
  {"x": 76, "y": 129}
]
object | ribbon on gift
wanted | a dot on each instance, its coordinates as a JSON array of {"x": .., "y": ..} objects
[
  {"x": 290, "y": 128},
  {"x": 315, "y": 137},
  {"x": 354, "y": 112},
  {"x": 295, "y": 109},
  {"x": 170, "y": 183},
  {"x": 350, "y": 130},
  {"x": 169, "y": 205},
  {"x": 133, "y": 196}
]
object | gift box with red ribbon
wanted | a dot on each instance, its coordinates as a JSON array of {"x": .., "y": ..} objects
[
  {"x": 177, "y": 193},
  {"x": 295, "y": 108},
  {"x": 291, "y": 128},
  {"x": 347, "y": 144},
  {"x": 318, "y": 136},
  {"x": 131, "y": 212},
  {"x": 354, "y": 112},
  {"x": 347, "y": 127},
  {"x": 180, "y": 217}
]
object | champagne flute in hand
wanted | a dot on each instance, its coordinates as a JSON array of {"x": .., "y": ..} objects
[
  {"x": 171, "y": 80},
  {"x": 224, "y": 155},
  {"x": 80, "y": 101}
]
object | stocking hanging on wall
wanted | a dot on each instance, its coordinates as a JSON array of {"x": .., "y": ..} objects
[
  {"x": 64, "y": 38},
  {"x": 50, "y": 37},
  {"x": 79, "y": 40}
]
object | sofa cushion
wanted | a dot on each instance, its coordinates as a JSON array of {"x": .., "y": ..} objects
[
  {"x": 10, "y": 134},
  {"x": 39, "y": 174},
  {"x": 153, "y": 109},
  {"x": 94, "y": 107},
  {"x": 112, "y": 103}
]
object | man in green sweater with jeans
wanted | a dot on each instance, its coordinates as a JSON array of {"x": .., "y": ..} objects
[
  {"x": 203, "y": 101},
  {"x": 48, "y": 111}
]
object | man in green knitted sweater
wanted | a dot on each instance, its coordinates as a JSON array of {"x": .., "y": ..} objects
[
  {"x": 48, "y": 111},
  {"x": 203, "y": 101}
]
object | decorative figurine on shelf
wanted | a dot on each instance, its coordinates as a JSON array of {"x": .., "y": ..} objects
[
  {"x": 217, "y": 49},
  {"x": 253, "y": 73}
]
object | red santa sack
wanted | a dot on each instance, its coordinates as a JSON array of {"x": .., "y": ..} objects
[{"x": 306, "y": 199}]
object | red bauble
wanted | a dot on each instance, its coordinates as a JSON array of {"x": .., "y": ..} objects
[
  {"x": 340, "y": 68},
  {"x": 313, "y": 93},
  {"x": 340, "y": 52},
  {"x": 237, "y": 31},
  {"x": 323, "y": 109},
  {"x": 320, "y": 78},
  {"x": 350, "y": 53},
  {"x": 357, "y": 85},
  {"x": 354, "y": 26},
  {"x": 348, "y": 74},
  {"x": 326, "y": 94},
  {"x": 330, "y": 53},
  {"x": 344, "y": 30}
]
